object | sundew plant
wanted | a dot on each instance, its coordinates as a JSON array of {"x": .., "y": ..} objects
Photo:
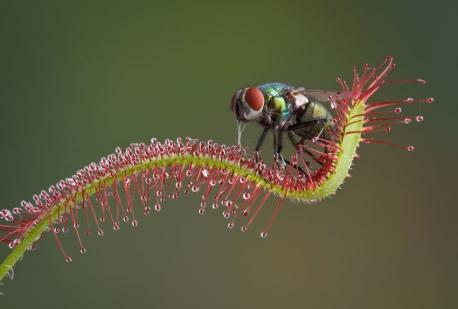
[{"x": 139, "y": 178}]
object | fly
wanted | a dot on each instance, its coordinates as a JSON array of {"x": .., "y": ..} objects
[{"x": 298, "y": 112}]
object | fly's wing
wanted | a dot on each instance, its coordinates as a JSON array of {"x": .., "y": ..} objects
[
  {"x": 325, "y": 95},
  {"x": 299, "y": 97}
]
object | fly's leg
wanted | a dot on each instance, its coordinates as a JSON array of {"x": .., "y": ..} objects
[
  {"x": 308, "y": 127},
  {"x": 278, "y": 146},
  {"x": 296, "y": 145},
  {"x": 259, "y": 144},
  {"x": 293, "y": 139}
]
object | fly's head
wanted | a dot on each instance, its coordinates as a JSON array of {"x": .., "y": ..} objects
[{"x": 247, "y": 104}]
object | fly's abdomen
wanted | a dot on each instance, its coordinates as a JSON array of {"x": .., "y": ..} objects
[{"x": 320, "y": 112}]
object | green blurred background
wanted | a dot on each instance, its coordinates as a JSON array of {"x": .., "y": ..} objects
[{"x": 78, "y": 79}]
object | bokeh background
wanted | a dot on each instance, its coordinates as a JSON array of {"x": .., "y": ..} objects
[{"x": 80, "y": 78}]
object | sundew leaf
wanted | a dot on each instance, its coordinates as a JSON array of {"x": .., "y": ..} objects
[{"x": 227, "y": 177}]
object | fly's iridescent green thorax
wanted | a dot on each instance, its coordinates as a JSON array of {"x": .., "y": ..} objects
[
  {"x": 273, "y": 94},
  {"x": 274, "y": 89}
]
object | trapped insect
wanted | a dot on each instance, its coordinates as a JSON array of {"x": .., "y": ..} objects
[{"x": 300, "y": 113}]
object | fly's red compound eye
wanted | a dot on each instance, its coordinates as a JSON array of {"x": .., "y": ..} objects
[{"x": 254, "y": 98}]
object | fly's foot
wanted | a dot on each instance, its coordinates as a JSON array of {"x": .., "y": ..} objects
[
  {"x": 257, "y": 156},
  {"x": 278, "y": 157}
]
